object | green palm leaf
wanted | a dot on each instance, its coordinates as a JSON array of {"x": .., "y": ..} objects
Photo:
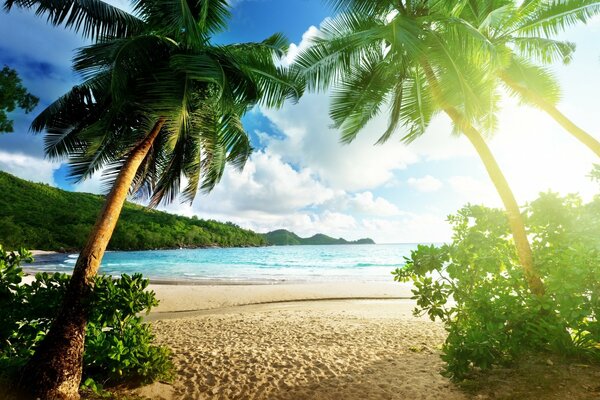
[{"x": 93, "y": 19}]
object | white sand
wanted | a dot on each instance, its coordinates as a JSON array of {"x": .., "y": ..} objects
[
  {"x": 316, "y": 349},
  {"x": 179, "y": 298}
]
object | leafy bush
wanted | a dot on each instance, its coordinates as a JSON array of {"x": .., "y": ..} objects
[
  {"x": 476, "y": 286},
  {"x": 118, "y": 344}
]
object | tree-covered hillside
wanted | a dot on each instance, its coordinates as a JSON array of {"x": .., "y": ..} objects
[
  {"x": 38, "y": 216},
  {"x": 282, "y": 237}
]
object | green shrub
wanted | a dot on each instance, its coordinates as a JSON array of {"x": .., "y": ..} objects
[
  {"x": 118, "y": 346},
  {"x": 476, "y": 287}
]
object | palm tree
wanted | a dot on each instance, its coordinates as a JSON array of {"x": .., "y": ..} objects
[
  {"x": 159, "y": 104},
  {"x": 524, "y": 32},
  {"x": 419, "y": 59}
]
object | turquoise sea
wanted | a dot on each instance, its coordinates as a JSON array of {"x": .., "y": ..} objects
[{"x": 365, "y": 263}]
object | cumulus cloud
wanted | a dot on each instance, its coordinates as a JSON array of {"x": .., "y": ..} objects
[
  {"x": 95, "y": 184},
  {"x": 410, "y": 228},
  {"x": 267, "y": 184},
  {"x": 295, "y": 49},
  {"x": 310, "y": 142},
  {"x": 367, "y": 203},
  {"x": 28, "y": 167},
  {"x": 425, "y": 184}
]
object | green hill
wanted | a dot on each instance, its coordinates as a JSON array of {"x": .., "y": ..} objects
[
  {"x": 38, "y": 216},
  {"x": 282, "y": 237}
]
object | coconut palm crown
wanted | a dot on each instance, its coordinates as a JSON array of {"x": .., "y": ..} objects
[
  {"x": 159, "y": 63},
  {"x": 526, "y": 32},
  {"x": 160, "y": 105}
]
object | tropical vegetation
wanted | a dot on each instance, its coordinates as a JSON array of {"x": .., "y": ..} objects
[
  {"x": 13, "y": 95},
  {"x": 38, "y": 216},
  {"x": 523, "y": 34},
  {"x": 159, "y": 107},
  {"x": 476, "y": 287},
  {"x": 420, "y": 58},
  {"x": 119, "y": 346}
]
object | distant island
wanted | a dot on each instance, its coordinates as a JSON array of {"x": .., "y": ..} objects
[{"x": 283, "y": 237}]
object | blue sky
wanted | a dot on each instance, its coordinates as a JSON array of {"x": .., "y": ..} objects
[{"x": 300, "y": 177}]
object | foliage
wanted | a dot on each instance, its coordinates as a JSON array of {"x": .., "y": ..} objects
[
  {"x": 379, "y": 57},
  {"x": 158, "y": 68},
  {"x": 475, "y": 286},
  {"x": 42, "y": 217},
  {"x": 13, "y": 95},
  {"x": 118, "y": 344},
  {"x": 282, "y": 237}
]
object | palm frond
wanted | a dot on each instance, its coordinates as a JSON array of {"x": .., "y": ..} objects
[
  {"x": 189, "y": 22},
  {"x": 532, "y": 78},
  {"x": 236, "y": 141},
  {"x": 544, "y": 50},
  {"x": 367, "y": 7},
  {"x": 417, "y": 107},
  {"x": 360, "y": 94},
  {"x": 341, "y": 43},
  {"x": 461, "y": 82},
  {"x": 552, "y": 17},
  {"x": 213, "y": 15},
  {"x": 397, "y": 94},
  {"x": 214, "y": 154},
  {"x": 94, "y": 19}
]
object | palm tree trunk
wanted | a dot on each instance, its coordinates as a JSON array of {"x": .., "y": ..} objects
[
  {"x": 54, "y": 371},
  {"x": 515, "y": 219},
  {"x": 550, "y": 109}
]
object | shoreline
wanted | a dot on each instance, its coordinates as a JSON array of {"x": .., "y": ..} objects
[
  {"x": 208, "y": 247},
  {"x": 36, "y": 253},
  {"x": 197, "y": 298},
  {"x": 182, "y": 296},
  {"x": 30, "y": 274}
]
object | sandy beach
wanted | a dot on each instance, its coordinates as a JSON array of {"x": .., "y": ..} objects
[
  {"x": 282, "y": 342},
  {"x": 349, "y": 341},
  {"x": 291, "y": 340},
  {"x": 367, "y": 346}
]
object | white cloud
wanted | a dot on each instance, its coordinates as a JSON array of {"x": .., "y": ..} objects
[
  {"x": 425, "y": 184},
  {"x": 310, "y": 143},
  {"x": 410, "y": 228},
  {"x": 267, "y": 184},
  {"x": 28, "y": 167},
  {"x": 94, "y": 184},
  {"x": 366, "y": 203},
  {"x": 295, "y": 49}
]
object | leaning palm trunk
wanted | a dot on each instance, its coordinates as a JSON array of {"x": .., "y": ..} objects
[
  {"x": 54, "y": 371},
  {"x": 515, "y": 218},
  {"x": 550, "y": 109}
]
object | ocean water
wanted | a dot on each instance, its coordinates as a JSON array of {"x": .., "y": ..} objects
[{"x": 365, "y": 263}]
